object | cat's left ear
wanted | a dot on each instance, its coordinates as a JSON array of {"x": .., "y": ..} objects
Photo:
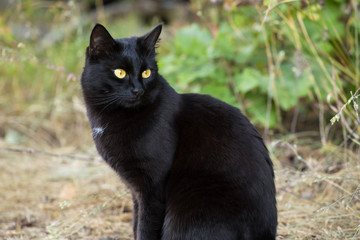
[{"x": 151, "y": 38}]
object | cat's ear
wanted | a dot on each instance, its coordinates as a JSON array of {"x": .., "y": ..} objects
[
  {"x": 101, "y": 42},
  {"x": 150, "y": 39}
]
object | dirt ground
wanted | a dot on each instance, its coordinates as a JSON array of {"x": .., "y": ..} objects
[
  {"x": 44, "y": 197},
  {"x": 61, "y": 197}
]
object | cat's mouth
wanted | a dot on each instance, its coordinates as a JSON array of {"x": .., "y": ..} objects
[{"x": 136, "y": 100}]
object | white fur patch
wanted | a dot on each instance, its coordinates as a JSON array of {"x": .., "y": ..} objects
[{"x": 97, "y": 131}]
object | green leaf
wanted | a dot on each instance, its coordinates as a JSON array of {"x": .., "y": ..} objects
[
  {"x": 291, "y": 86},
  {"x": 258, "y": 110},
  {"x": 249, "y": 79},
  {"x": 193, "y": 41},
  {"x": 219, "y": 91},
  {"x": 225, "y": 43},
  {"x": 244, "y": 52}
]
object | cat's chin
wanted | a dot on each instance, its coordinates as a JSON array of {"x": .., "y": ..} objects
[{"x": 133, "y": 103}]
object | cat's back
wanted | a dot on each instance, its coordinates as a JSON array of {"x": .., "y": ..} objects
[
  {"x": 221, "y": 170},
  {"x": 218, "y": 134},
  {"x": 217, "y": 122}
]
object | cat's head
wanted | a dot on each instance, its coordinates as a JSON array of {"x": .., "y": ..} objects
[{"x": 120, "y": 73}]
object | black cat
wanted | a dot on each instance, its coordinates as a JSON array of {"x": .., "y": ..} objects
[{"x": 196, "y": 167}]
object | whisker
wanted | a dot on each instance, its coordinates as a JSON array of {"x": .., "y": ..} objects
[
  {"x": 110, "y": 103},
  {"x": 103, "y": 99}
]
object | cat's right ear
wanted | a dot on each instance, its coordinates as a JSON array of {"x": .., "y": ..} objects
[{"x": 101, "y": 42}]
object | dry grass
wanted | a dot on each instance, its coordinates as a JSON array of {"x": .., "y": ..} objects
[
  {"x": 62, "y": 197},
  {"x": 58, "y": 198},
  {"x": 321, "y": 202}
]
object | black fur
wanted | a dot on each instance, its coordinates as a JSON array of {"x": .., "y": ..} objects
[{"x": 196, "y": 167}]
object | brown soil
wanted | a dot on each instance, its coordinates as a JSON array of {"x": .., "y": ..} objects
[{"x": 57, "y": 197}]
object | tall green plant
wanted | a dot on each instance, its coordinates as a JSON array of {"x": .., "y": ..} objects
[{"x": 265, "y": 59}]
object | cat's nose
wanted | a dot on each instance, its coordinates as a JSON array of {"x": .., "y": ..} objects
[{"x": 137, "y": 92}]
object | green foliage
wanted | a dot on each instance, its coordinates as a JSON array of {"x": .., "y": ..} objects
[
  {"x": 44, "y": 66},
  {"x": 280, "y": 52},
  {"x": 42, "y": 53},
  {"x": 269, "y": 60}
]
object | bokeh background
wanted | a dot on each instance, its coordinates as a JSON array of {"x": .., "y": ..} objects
[{"x": 292, "y": 66}]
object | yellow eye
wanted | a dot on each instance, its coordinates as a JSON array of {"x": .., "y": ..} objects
[
  {"x": 146, "y": 73},
  {"x": 120, "y": 73}
]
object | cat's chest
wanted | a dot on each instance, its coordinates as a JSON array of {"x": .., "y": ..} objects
[
  {"x": 120, "y": 141},
  {"x": 127, "y": 142}
]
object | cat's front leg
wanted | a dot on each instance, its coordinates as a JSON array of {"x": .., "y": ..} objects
[
  {"x": 135, "y": 215},
  {"x": 150, "y": 217}
]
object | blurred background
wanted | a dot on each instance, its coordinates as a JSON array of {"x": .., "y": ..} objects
[{"x": 291, "y": 66}]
